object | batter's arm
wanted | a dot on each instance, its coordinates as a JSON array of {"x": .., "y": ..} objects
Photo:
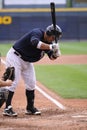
[
  {"x": 39, "y": 44},
  {"x": 43, "y": 46}
]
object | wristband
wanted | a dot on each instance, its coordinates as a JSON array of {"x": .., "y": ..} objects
[
  {"x": 51, "y": 47},
  {"x": 39, "y": 44}
]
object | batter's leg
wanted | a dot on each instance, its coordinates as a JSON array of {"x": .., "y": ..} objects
[{"x": 30, "y": 83}]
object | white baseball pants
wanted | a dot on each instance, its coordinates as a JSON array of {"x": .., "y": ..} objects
[{"x": 22, "y": 68}]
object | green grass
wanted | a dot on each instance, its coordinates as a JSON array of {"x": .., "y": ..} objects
[
  {"x": 68, "y": 81},
  {"x": 73, "y": 47},
  {"x": 4, "y": 48},
  {"x": 66, "y": 48}
]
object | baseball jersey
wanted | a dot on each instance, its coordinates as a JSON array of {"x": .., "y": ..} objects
[{"x": 26, "y": 46}]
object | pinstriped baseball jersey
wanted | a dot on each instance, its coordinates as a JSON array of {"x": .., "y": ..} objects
[{"x": 27, "y": 45}]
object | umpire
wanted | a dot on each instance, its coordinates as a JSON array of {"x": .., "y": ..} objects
[{"x": 28, "y": 49}]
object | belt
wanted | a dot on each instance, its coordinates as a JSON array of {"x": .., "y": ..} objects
[{"x": 16, "y": 53}]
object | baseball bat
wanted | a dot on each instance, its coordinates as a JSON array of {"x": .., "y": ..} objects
[{"x": 53, "y": 15}]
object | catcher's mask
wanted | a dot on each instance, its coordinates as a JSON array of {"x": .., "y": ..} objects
[{"x": 51, "y": 31}]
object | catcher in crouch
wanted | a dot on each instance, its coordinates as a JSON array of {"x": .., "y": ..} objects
[
  {"x": 6, "y": 80},
  {"x": 7, "y": 77},
  {"x": 29, "y": 49},
  {"x": 3, "y": 91}
]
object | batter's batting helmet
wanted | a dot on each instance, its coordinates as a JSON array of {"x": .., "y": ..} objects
[{"x": 50, "y": 31}]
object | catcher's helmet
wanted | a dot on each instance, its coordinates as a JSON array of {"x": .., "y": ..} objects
[{"x": 51, "y": 31}]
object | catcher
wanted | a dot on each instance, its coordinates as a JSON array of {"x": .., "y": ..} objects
[
  {"x": 7, "y": 80},
  {"x": 5, "y": 83}
]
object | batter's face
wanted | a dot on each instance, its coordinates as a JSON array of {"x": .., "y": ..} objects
[{"x": 49, "y": 38}]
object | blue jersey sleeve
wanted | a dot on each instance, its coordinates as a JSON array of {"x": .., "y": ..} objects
[
  {"x": 34, "y": 41},
  {"x": 35, "y": 38}
]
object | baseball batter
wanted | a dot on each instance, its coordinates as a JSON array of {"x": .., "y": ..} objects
[{"x": 28, "y": 49}]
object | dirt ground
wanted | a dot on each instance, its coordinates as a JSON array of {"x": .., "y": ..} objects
[{"x": 73, "y": 117}]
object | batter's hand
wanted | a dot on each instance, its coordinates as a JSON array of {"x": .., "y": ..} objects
[
  {"x": 56, "y": 53},
  {"x": 54, "y": 46}
]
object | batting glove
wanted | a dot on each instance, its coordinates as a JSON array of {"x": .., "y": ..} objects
[{"x": 56, "y": 50}]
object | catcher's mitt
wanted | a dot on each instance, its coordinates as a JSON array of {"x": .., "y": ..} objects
[{"x": 9, "y": 74}]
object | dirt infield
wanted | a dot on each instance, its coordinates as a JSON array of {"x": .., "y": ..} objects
[{"x": 74, "y": 117}]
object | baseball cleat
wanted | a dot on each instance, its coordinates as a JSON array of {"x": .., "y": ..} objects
[
  {"x": 9, "y": 112},
  {"x": 33, "y": 111}
]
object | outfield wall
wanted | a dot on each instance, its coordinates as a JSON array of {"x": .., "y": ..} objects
[{"x": 16, "y": 22}]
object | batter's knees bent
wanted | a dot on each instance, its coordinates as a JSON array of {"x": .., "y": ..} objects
[{"x": 30, "y": 86}]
